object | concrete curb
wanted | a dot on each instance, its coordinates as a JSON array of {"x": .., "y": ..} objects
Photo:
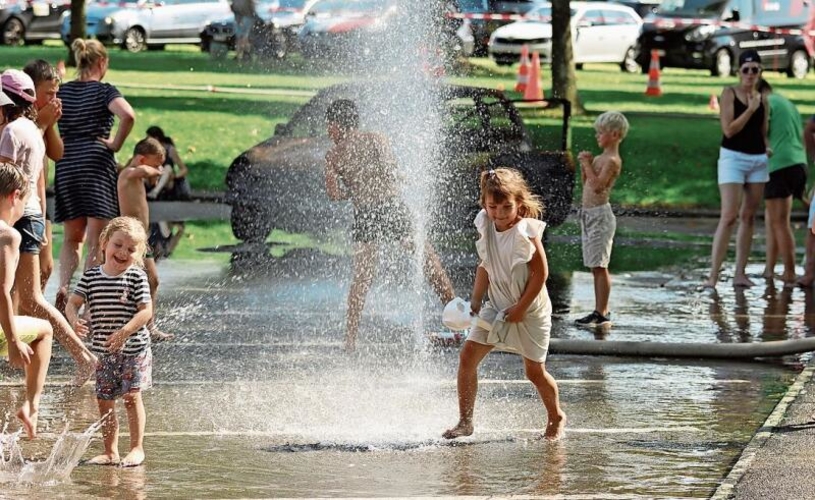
[{"x": 725, "y": 491}]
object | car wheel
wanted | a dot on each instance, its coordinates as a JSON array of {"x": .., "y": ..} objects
[
  {"x": 799, "y": 64},
  {"x": 722, "y": 63},
  {"x": 13, "y": 32},
  {"x": 250, "y": 222},
  {"x": 134, "y": 40},
  {"x": 629, "y": 64}
]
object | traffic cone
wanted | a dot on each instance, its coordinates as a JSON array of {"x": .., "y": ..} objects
[
  {"x": 713, "y": 104},
  {"x": 654, "y": 89},
  {"x": 523, "y": 70},
  {"x": 534, "y": 88}
]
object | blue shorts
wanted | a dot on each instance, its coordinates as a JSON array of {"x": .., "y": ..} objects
[
  {"x": 117, "y": 374},
  {"x": 741, "y": 168},
  {"x": 32, "y": 229}
]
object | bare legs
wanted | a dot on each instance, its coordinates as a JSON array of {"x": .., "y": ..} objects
[
  {"x": 136, "y": 419},
  {"x": 436, "y": 275},
  {"x": 46, "y": 257},
  {"x": 467, "y": 382},
  {"x": 76, "y": 231},
  {"x": 35, "y": 371},
  {"x": 738, "y": 202},
  {"x": 809, "y": 267},
  {"x": 602, "y": 289},
  {"x": 33, "y": 303},
  {"x": 780, "y": 240}
]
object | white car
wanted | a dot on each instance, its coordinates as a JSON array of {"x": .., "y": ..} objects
[{"x": 601, "y": 32}]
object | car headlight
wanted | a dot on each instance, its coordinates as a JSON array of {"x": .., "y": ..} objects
[
  {"x": 108, "y": 21},
  {"x": 700, "y": 33}
]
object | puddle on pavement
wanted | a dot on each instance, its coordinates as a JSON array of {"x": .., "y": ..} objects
[{"x": 255, "y": 398}]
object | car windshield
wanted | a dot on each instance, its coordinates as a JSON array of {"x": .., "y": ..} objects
[
  {"x": 692, "y": 7},
  {"x": 542, "y": 12},
  {"x": 328, "y": 6}
]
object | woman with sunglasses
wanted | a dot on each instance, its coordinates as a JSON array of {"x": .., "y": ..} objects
[{"x": 742, "y": 167}]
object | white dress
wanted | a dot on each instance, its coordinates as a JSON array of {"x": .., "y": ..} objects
[{"x": 505, "y": 256}]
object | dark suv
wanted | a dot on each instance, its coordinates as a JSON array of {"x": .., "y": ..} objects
[
  {"x": 28, "y": 21},
  {"x": 710, "y": 34}
]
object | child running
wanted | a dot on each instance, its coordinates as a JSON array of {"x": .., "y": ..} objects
[
  {"x": 512, "y": 272},
  {"x": 144, "y": 168},
  {"x": 597, "y": 221},
  {"x": 26, "y": 341},
  {"x": 118, "y": 296},
  {"x": 361, "y": 167}
]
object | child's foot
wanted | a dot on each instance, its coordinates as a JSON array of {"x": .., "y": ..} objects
[
  {"x": 84, "y": 372},
  {"x": 104, "y": 459},
  {"x": 461, "y": 429},
  {"x": 29, "y": 421},
  {"x": 134, "y": 458},
  {"x": 157, "y": 335},
  {"x": 62, "y": 300},
  {"x": 555, "y": 428},
  {"x": 742, "y": 282}
]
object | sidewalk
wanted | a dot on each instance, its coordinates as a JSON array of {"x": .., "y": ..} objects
[{"x": 778, "y": 462}]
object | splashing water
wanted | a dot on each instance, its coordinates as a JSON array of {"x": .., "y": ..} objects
[{"x": 57, "y": 468}]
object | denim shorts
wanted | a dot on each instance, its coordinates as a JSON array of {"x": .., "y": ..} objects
[
  {"x": 32, "y": 229},
  {"x": 742, "y": 168},
  {"x": 117, "y": 374}
]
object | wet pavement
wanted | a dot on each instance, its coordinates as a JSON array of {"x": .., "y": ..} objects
[{"x": 255, "y": 397}]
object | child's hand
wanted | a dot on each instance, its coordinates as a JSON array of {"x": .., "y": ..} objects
[
  {"x": 514, "y": 314},
  {"x": 81, "y": 327},
  {"x": 19, "y": 354},
  {"x": 585, "y": 158},
  {"x": 49, "y": 114},
  {"x": 116, "y": 341}
]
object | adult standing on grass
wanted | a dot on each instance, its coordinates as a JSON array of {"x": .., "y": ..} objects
[
  {"x": 788, "y": 179},
  {"x": 742, "y": 168},
  {"x": 85, "y": 177}
]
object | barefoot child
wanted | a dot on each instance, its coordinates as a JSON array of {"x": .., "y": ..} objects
[
  {"x": 26, "y": 341},
  {"x": 360, "y": 167},
  {"x": 512, "y": 272},
  {"x": 143, "y": 168},
  {"x": 597, "y": 221},
  {"x": 120, "y": 336}
]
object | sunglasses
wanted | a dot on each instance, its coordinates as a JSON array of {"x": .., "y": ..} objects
[{"x": 750, "y": 69}]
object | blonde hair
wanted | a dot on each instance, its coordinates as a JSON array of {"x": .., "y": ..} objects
[
  {"x": 133, "y": 228},
  {"x": 87, "y": 54},
  {"x": 12, "y": 178},
  {"x": 508, "y": 183},
  {"x": 612, "y": 121}
]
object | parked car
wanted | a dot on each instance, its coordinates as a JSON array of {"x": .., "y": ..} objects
[
  {"x": 601, "y": 32},
  {"x": 483, "y": 28},
  {"x": 147, "y": 23},
  {"x": 274, "y": 32},
  {"x": 280, "y": 182},
  {"x": 642, "y": 7},
  {"x": 29, "y": 21},
  {"x": 711, "y": 34}
]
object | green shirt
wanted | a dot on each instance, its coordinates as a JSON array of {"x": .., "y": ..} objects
[{"x": 786, "y": 134}]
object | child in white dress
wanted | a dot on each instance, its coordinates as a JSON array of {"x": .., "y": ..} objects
[{"x": 512, "y": 272}]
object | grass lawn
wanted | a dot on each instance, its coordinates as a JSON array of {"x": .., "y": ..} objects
[{"x": 669, "y": 156}]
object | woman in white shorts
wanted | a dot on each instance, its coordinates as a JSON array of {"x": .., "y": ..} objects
[{"x": 742, "y": 167}]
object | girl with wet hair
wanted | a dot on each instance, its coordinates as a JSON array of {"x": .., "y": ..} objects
[
  {"x": 517, "y": 316},
  {"x": 85, "y": 178}
]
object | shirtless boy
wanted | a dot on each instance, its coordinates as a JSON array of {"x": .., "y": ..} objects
[
  {"x": 144, "y": 167},
  {"x": 597, "y": 221}
]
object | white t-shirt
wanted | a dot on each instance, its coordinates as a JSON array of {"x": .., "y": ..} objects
[{"x": 22, "y": 141}]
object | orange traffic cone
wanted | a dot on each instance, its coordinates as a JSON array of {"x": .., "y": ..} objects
[
  {"x": 653, "y": 76},
  {"x": 534, "y": 88},
  {"x": 713, "y": 104},
  {"x": 523, "y": 70}
]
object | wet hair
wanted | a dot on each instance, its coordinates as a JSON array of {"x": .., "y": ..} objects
[
  {"x": 507, "y": 183},
  {"x": 764, "y": 86},
  {"x": 612, "y": 121},
  {"x": 156, "y": 133},
  {"x": 12, "y": 178},
  {"x": 20, "y": 107},
  {"x": 133, "y": 228},
  {"x": 88, "y": 53},
  {"x": 344, "y": 113},
  {"x": 41, "y": 71}
]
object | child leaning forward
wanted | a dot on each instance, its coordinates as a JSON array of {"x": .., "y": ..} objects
[{"x": 118, "y": 296}]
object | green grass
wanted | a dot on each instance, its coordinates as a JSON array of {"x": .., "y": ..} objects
[{"x": 669, "y": 156}]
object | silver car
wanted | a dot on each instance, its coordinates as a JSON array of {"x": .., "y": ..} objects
[{"x": 150, "y": 23}]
